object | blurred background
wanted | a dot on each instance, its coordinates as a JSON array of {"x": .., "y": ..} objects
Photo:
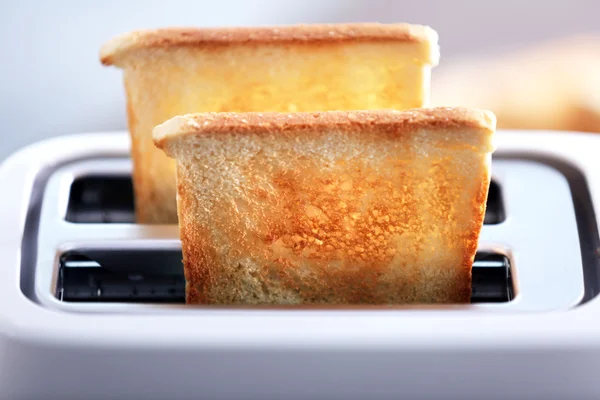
[{"x": 53, "y": 84}]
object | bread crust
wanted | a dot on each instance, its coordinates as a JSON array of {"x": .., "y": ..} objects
[
  {"x": 399, "y": 121},
  {"x": 358, "y": 207},
  {"x": 115, "y": 50}
]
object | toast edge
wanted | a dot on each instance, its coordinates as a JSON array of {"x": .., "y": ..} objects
[
  {"x": 443, "y": 118},
  {"x": 114, "y": 51}
]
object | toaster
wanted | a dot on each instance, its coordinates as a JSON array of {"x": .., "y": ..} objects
[{"x": 93, "y": 304}]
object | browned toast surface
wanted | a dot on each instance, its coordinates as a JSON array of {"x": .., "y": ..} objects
[
  {"x": 125, "y": 44},
  {"x": 405, "y": 122},
  {"x": 371, "y": 207},
  {"x": 175, "y": 71}
]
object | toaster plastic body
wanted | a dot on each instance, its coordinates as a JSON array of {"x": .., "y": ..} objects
[{"x": 93, "y": 304}]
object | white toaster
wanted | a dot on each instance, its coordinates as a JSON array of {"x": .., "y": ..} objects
[{"x": 92, "y": 304}]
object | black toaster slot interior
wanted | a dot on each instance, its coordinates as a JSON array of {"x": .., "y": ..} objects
[
  {"x": 124, "y": 276},
  {"x": 98, "y": 199},
  {"x": 156, "y": 276},
  {"x": 494, "y": 213}
]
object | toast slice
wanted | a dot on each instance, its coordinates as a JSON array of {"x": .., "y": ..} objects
[
  {"x": 366, "y": 207},
  {"x": 169, "y": 72}
]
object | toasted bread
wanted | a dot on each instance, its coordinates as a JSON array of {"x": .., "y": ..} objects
[
  {"x": 169, "y": 72},
  {"x": 553, "y": 85},
  {"x": 366, "y": 207}
]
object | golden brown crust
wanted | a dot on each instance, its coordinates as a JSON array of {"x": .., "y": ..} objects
[
  {"x": 342, "y": 121},
  {"x": 121, "y": 45}
]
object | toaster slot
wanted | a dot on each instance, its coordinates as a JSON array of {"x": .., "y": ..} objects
[
  {"x": 156, "y": 276},
  {"x": 88, "y": 211},
  {"x": 84, "y": 280},
  {"x": 110, "y": 199},
  {"x": 101, "y": 199},
  {"x": 494, "y": 213}
]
